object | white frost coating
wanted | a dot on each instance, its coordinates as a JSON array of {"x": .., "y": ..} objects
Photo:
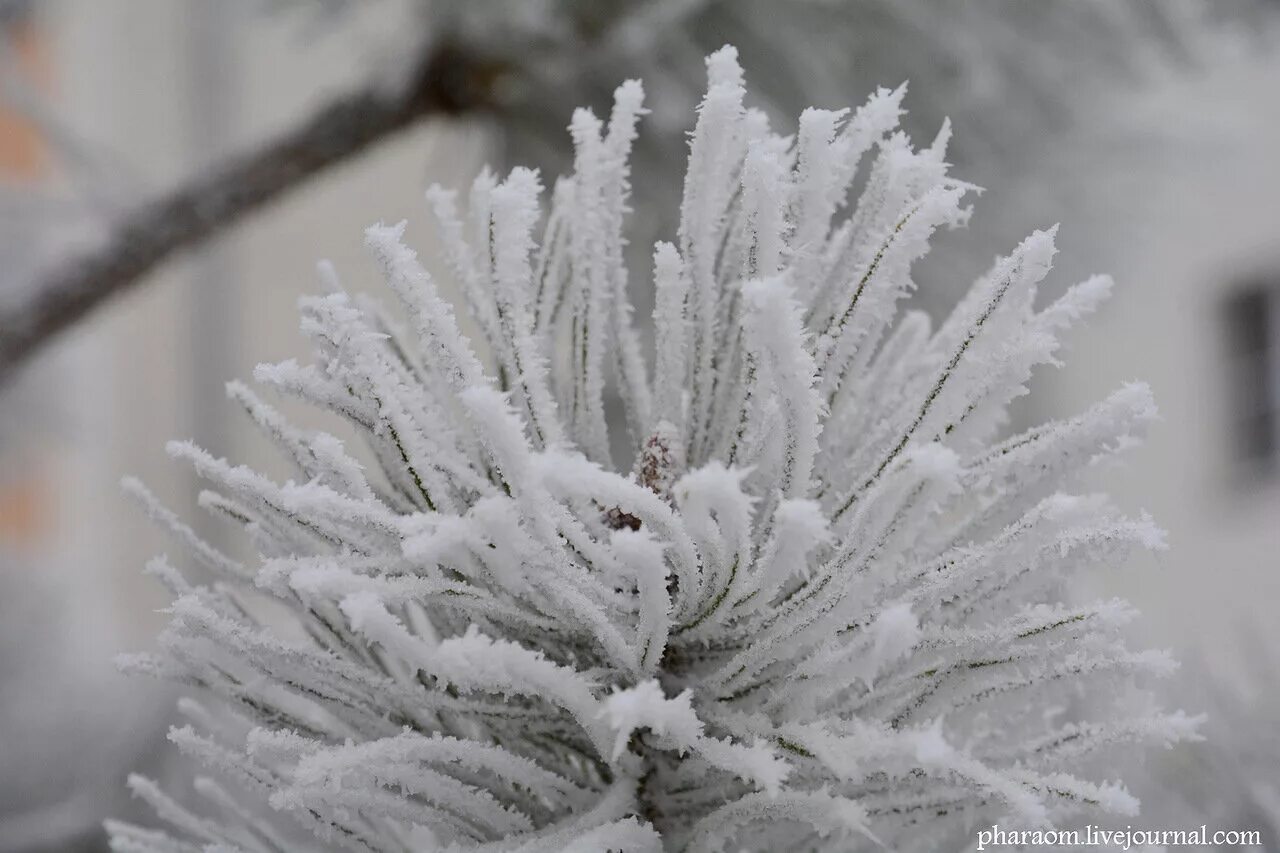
[
  {"x": 748, "y": 639},
  {"x": 784, "y": 374},
  {"x": 643, "y": 557},
  {"x": 799, "y": 527},
  {"x": 894, "y": 633},
  {"x": 645, "y": 706},
  {"x": 671, "y": 346},
  {"x": 931, "y": 747},
  {"x": 435, "y": 317}
]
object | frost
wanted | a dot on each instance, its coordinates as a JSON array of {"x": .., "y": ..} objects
[
  {"x": 644, "y": 705},
  {"x": 495, "y": 638},
  {"x": 931, "y": 747},
  {"x": 893, "y": 633}
]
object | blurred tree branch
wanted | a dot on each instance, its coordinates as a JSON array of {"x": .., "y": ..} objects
[{"x": 445, "y": 81}]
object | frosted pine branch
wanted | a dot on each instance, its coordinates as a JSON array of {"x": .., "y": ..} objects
[{"x": 825, "y": 605}]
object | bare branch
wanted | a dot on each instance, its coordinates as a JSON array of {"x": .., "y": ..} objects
[{"x": 446, "y": 81}]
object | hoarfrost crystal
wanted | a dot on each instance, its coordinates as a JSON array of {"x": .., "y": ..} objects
[{"x": 826, "y": 608}]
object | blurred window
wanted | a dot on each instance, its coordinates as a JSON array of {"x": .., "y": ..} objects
[
  {"x": 22, "y": 153},
  {"x": 1253, "y": 339},
  {"x": 25, "y": 506}
]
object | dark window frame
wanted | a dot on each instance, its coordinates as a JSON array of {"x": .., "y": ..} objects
[{"x": 1251, "y": 324}]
